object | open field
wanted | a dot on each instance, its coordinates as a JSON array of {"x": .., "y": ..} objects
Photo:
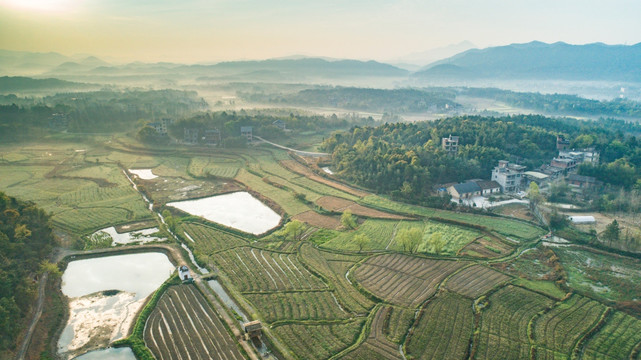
[
  {"x": 285, "y": 199},
  {"x": 184, "y": 326},
  {"x": 377, "y": 346},
  {"x": 444, "y": 329},
  {"x": 322, "y": 221},
  {"x": 397, "y": 323},
  {"x": 332, "y": 203},
  {"x": 402, "y": 279},
  {"x": 305, "y": 171},
  {"x": 318, "y": 341},
  {"x": 254, "y": 270},
  {"x": 334, "y": 271},
  {"x": 209, "y": 240},
  {"x": 504, "y": 323},
  {"x": 475, "y": 281}
]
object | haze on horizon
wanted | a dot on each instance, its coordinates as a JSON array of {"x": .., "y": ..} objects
[{"x": 193, "y": 31}]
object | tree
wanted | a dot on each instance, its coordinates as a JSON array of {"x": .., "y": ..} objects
[
  {"x": 293, "y": 230},
  {"x": 534, "y": 194},
  {"x": 612, "y": 232},
  {"x": 348, "y": 220},
  {"x": 409, "y": 239},
  {"x": 436, "y": 242},
  {"x": 361, "y": 240}
]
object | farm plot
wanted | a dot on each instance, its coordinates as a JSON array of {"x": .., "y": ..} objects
[
  {"x": 504, "y": 323},
  {"x": 315, "y": 219},
  {"x": 486, "y": 247},
  {"x": 316, "y": 305},
  {"x": 558, "y": 329},
  {"x": 616, "y": 340},
  {"x": 377, "y": 346},
  {"x": 334, "y": 272},
  {"x": 312, "y": 341},
  {"x": 518, "y": 230},
  {"x": 255, "y": 270},
  {"x": 455, "y": 237},
  {"x": 404, "y": 280},
  {"x": 285, "y": 199},
  {"x": 224, "y": 167},
  {"x": 397, "y": 323},
  {"x": 475, "y": 281},
  {"x": 305, "y": 171},
  {"x": 184, "y": 326},
  {"x": 443, "y": 330},
  {"x": 208, "y": 240},
  {"x": 332, "y": 203},
  {"x": 379, "y": 232}
]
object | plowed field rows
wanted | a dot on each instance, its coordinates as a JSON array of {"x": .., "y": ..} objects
[
  {"x": 404, "y": 280},
  {"x": 318, "y": 341},
  {"x": 475, "y": 280},
  {"x": 377, "y": 345},
  {"x": 316, "y": 305},
  {"x": 444, "y": 329},
  {"x": 616, "y": 340},
  {"x": 184, "y": 326},
  {"x": 504, "y": 323},
  {"x": 265, "y": 271},
  {"x": 332, "y": 203},
  {"x": 209, "y": 240}
]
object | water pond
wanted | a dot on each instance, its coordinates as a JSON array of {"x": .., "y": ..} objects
[
  {"x": 123, "y": 353},
  {"x": 144, "y": 174},
  {"x": 138, "y": 236},
  {"x": 104, "y": 294},
  {"x": 239, "y": 210}
]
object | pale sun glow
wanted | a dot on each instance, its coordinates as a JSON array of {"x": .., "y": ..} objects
[{"x": 58, "y": 6}]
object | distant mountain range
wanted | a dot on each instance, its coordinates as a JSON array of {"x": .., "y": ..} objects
[
  {"x": 12, "y": 84},
  {"x": 541, "y": 61}
]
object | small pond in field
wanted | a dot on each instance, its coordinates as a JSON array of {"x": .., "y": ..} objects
[
  {"x": 237, "y": 210},
  {"x": 138, "y": 236},
  {"x": 123, "y": 353},
  {"x": 105, "y": 293},
  {"x": 144, "y": 174}
]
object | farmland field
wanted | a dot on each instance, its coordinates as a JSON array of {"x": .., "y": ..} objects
[
  {"x": 398, "y": 322},
  {"x": 184, "y": 326},
  {"x": 316, "y": 305},
  {"x": 475, "y": 280},
  {"x": 377, "y": 346},
  {"x": 332, "y": 203},
  {"x": 486, "y": 247},
  {"x": 444, "y": 329},
  {"x": 616, "y": 340},
  {"x": 208, "y": 240},
  {"x": 402, "y": 279},
  {"x": 319, "y": 341},
  {"x": 504, "y": 323}
]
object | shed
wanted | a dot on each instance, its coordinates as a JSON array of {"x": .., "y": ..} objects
[
  {"x": 582, "y": 220},
  {"x": 183, "y": 272},
  {"x": 253, "y": 329}
]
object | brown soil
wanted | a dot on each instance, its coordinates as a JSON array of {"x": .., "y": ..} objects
[
  {"x": 135, "y": 226},
  {"x": 332, "y": 203},
  {"x": 307, "y": 172},
  {"x": 516, "y": 211},
  {"x": 479, "y": 248},
  {"x": 323, "y": 221}
]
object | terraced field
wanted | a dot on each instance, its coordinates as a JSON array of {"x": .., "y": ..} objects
[
  {"x": 377, "y": 346},
  {"x": 404, "y": 280},
  {"x": 184, "y": 326},
  {"x": 475, "y": 281},
  {"x": 618, "y": 339},
  {"x": 314, "y": 305},
  {"x": 319, "y": 341},
  {"x": 397, "y": 323},
  {"x": 208, "y": 240},
  {"x": 255, "y": 270},
  {"x": 332, "y": 203},
  {"x": 504, "y": 323},
  {"x": 558, "y": 329},
  {"x": 444, "y": 329}
]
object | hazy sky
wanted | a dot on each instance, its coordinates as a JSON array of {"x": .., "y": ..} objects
[{"x": 214, "y": 30}]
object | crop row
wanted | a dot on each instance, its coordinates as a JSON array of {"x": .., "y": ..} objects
[
  {"x": 559, "y": 328},
  {"x": 208, "y": 240},
  {"x": 505, "y": 322},
  {"x": 258, "y": 270},
  {"x": 284, "y": 198},
  {"x": 307, "y": 341},
  {"x": 377, "y": 346},
  {"x": 443, "y": 330},
  {"x": 455, "y": 237},
  {"x": 334, "y": 270},
  {"x": 379, "y": 232},
  {"x": 184, "y": 326},
  {"x": 475, "y": 280},
  {"x": 616, "y": 340},
  {"x": 398, "y": 322},
  {"x": 402, "y": 279},
  {"x": 317, "y": 305}
]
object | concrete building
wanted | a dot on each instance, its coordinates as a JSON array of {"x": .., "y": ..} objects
[
  {"x": 488, "y": 187},
  {"x": 509, "y": 176},
  {"x": 465, "y": 190},
  {"x": 246, "y": 131},
  {"x": 562, "y": 143},
  {"x": 450, "y": 144},
  {"x": 580, "y": 156},
  {"x": 211, "y": 137},
  {"x": 537, "y": 177},
  {"x": 190, "y": 135},
  {"x": 565, "y": 164},
  {"x": 583, "y": 182},
  {"x": 183, "y": 273}
]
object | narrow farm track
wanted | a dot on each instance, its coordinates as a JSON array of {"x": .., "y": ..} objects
[{"x": 184, "y": 326}]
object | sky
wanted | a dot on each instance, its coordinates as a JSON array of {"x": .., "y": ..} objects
[{"x": 192, "y": 31}]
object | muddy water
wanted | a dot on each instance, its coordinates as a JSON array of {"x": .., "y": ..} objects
[
  {"x": 105, "y": 294},
  {"x": 123, "y": 353}
]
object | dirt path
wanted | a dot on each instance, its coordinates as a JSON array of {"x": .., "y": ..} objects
[{"x": 36, "y": 317}]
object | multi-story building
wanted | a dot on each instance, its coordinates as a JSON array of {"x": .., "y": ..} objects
[
  {"x": 246, "y": 131},
  {"x": 562, "y": 143},
  {"x": 509, "y": 176},
  {"x": 450, "y": 144}
]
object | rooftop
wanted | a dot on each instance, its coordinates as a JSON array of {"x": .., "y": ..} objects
[{"x": 467, "y": 187}]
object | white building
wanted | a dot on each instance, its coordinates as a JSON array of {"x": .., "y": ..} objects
[{"x": 509, "y": 176}]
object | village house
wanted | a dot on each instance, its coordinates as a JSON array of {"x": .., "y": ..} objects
[
  {"x": 488, "y": 188},
  {"x": 465, "y": 190},
  {"x": 190, "y": 135},
  {"x": 253, "y": 329},
  {"x": 450, "y": 144},
  {"x": 583, "y": 182},
  {"x": 183, "y": 273},
  {"x": 246, "y": 131},
  {"x": 566, "y": 165},
  {"x": 536, "y": 177},
  {"x": 279, "y": 124},
  {"x": 211, "y": 137},
  {"x": 562, "y": 143},
  {"x": 508, "y": 176}
]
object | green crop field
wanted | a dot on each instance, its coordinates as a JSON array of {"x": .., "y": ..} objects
[
  {"x": 379, "y": 232},
  {"x": 318, "y": 341},
  {"x": 209, "y": 240},
  {"x": 316, "y": 305},
  {"x": 398, "y": 323},
  {"x": 444, "y": 329},
  {"x": 475, "y": 281},
  {"x": 616, "y": 340}
]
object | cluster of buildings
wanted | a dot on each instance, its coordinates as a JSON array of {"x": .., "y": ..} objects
[
  {"x": 162, "y": 126},
  {"x": 513, "y": 178}
]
